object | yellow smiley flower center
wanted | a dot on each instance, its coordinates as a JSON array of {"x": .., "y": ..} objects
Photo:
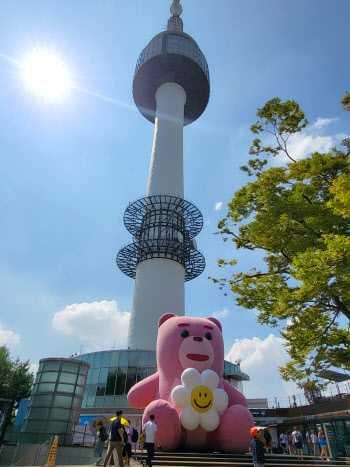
[{"x": 201, "y": 399}]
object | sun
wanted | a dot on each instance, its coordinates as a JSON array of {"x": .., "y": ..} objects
[{"x": 46, "y": 75}]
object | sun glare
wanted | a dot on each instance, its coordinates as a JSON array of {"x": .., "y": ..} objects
[{"x": 46, "y": 75}]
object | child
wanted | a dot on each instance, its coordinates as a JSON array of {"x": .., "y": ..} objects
[{"x": 257, "y": 447}]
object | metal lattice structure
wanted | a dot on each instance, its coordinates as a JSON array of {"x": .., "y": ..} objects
[{"x": 163, "y": 226}]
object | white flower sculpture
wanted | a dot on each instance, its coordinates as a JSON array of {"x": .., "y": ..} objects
[{"x": 200, "y": 399}]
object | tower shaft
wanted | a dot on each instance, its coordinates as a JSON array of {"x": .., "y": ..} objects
[{"x": 159, "y": 283}]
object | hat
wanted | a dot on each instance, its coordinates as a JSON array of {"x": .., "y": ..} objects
[{"x": 254, "y": 431}]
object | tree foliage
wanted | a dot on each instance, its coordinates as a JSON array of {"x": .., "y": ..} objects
[
  {"x": 298, "y": 214},
  {"x": 15, "y": 379},
  {"x": 346, "y": 101}
]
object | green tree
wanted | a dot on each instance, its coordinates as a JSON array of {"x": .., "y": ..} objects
[
  {"x": 15, "y": 379},
  {"x": 298, "y": 215},
  {"x": 346, "y": 101}
]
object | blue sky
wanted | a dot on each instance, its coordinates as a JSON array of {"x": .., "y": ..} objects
[{"x": 69, "y": 169}]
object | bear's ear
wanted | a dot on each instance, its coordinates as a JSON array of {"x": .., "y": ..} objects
[
  {"x": 165, "y": 317},
  {"x": 214, "y": 320}
]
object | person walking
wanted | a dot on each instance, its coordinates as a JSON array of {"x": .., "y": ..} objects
[
  {"x": 314, "y": 443},
  {"x": 268, "y": 439},
  {"x": 101, "y": 437},
  {"x": 150, "y": 431},
  {"x": 127, "y": 445},
  {"x": 283, "y": 443},
  {"x": 115, "y": 441},
  {"x": 323, "y": 445},
  {"x": 308, "y": 440},
  {"x": 289, "y": 442},
  {"x": 298, "y": 442},
  {"x": 257, "y": 448}
]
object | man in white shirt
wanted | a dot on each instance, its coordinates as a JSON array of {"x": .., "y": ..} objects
[{"x": 150, "y": 430}]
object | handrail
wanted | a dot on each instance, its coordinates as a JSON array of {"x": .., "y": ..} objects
[{"x": 48, "y": 441}]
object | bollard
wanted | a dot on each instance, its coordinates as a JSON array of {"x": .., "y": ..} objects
[{"x": 51, "y": 459}]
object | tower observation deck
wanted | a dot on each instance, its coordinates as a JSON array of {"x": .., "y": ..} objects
[{"x": 171, "y": 89}]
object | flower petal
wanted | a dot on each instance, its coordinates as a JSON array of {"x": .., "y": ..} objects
[
  {"x": 181, "y": 397},
  {"x": 191, "y": 378},
  {"x": 210, "y": 379},
  {"x": 189, "y": 418},
  {"x": 209, "y": 420},
  {"x": 220, "y": 402}
]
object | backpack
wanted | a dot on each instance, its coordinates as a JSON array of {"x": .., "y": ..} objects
[
  {"x": 103, "y": 434},
  {"x": 298, "y": 437},
  {"x": 125, "y": 436},
  {"x": 134, "y": 436}
]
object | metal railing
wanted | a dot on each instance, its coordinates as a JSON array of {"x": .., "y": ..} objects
[{"x": 36, "y": 450}]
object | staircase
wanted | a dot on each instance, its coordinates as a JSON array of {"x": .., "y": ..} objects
[{"x": 164, "y": 459}]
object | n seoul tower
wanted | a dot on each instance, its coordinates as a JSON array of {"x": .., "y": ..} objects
[{"x": 170, "y": 89}]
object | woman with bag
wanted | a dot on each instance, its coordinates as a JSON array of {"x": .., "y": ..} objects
[
  {"x": 323, "y": 445},
  {"x": 100, "y": 441}
]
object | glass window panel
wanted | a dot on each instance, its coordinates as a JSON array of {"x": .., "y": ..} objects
[
  {"x": 91, "y": 358},
  {"x": 90, "y": 402},
  {"x": 55, "y": 427},
  {"x": 111, "y": 378},
  {"x": 61, "y": 414},
  {"x": 88, "y": 379},
  {"x": 41, "y": 364},
  {"x": 100, "y": 391},
  {"x": 81, "y": 380},
  {"x": 142, "y": 374},
  {"x": 92, "y": 390},
  {"x": 35, "y": 388},
  {"x": 99, "y": 401},
  {"x": 68, "y": 388},
  {"x": 46, "y": 387},
  {"x": 84, "y": 402},
  {"x": 108, "y": 401},
  {"x": 121, "y": 378},
  {"x": 151, "y": 371},
  {"x": 35, "y": 425},
  {"x": 120, "y": 401},
  {"x": 133, "y": 358},
  {"x": 106, "y": 357},
  {"x": 37, "y": 377},
  {"x": 79, "y": 390},
  {"x": 68, "y": 378},
  {"x": 49, "y": 377},
  {"x": 39, "y": 412},
  {"x": 62, "y": 401},
  {"x": 123, "y": 359},
  {"x": 51, "y": 365},
  {"x": 83, "y": 369},
  {"x": 131, "y": 378},
  {"x": 76, "y": 402},
  {"x": 103, "y": 375},
  {"x": 114, "y": 362},
  {"x": 98, "y": 360},
  {"x": 152, "y": 358},
  {"x": 94, "y": 375},
  {"x": 83, "y": 358},
  {"x": 44, "y": 400},
  {"x": 70, "y": 366}
]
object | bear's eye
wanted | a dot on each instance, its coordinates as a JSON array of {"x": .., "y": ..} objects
[
  {"x": 184, "y": 333},
  {"x": 208, "y": 336}
]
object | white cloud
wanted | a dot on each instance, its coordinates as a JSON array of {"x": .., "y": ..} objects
[
  {"x": 218, "y": 206},
  {"x": 221, "y": 314},
  {"x": 260, "y": 359},
  {"x": 98, "y": 324},
  {"x": 8, "y": 337},
  {"x": 322, "y": 122}
]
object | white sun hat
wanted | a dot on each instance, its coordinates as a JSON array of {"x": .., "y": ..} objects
[{"x": 200, "y": 399}]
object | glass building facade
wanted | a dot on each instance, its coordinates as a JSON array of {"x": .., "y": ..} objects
[
  {"x": 56, "y": 400},
  {"x": 112, "y": 373}
]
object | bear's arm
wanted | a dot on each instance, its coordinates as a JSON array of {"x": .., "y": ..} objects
[
  {"x": 144, "y": 392},
  {"x": 234, "y": 396}
]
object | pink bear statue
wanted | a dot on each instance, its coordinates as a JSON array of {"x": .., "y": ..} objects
[{"x": 194, "y": 407}]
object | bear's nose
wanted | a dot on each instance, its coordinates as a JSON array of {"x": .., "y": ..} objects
[{"x": 199, "y": 339}]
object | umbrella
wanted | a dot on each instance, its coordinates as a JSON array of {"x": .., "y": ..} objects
[
  {"x": 93, "y": 426},
  {"x": 122, "y": 421}
]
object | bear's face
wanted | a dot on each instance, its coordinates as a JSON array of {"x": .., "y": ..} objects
[{"x": 186, "y": 342}]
